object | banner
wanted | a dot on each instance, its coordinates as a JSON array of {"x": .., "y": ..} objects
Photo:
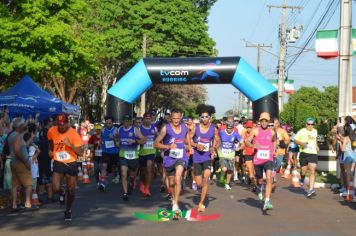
[
  {"x": 354, "y": 42},
  {"x": 289, "y": 86},
  {"x": 326, "y": 45}
]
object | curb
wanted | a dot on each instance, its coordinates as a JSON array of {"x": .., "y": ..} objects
[{"x": 322, "y": 185}]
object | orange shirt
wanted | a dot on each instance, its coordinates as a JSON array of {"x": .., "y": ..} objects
[
  {"x": 282, "y": 135},
  {"x": 61, "y": 152}
]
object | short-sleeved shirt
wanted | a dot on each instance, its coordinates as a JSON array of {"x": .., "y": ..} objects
[
  {"x": 310, "y": 137},
  {"x": 61, "y": 152}
]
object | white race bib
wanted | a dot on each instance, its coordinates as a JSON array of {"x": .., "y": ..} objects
[
  {"x": 85, "y": 138},
  {"x": 226, "y": 152},
  {"x": 148, "y": 145},
  {"x": 62, "y": 156},
  {"x": 309, "y": 147},
  {"x": 109, "y": 144},
  {"x": 130, "y": 155},
  {"x": 176, "y": 153},
  {"x": 206, "y": 146},
  {"x": 263, "y": 154},
  {"x": 98, "y": 152}
]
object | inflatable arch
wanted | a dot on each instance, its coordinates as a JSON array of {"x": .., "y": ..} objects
[{"x": 185, "y": 71}]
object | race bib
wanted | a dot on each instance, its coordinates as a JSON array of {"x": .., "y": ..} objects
[
  {"x": 263, "y": 154},
  {"x": 226, "y": 152},
  {"x": 148, "y": 145},
  {"x": 130, "y": 155},
  {"x": 98, "y": 152},
  {"x": 176, "y": 153},
  {"x": 206, "y": 146},
  {"x": 85, "y": 138},
  {"x": 62, "y": 156},
  {"x": 109, "y": 144},
  {"x": 309, "y": 147}
]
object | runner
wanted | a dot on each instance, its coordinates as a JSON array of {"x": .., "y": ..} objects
[
  {"x": 95, "y": 143},
  {"x": 129, "y": 139},
  {"x": 248, "y": 153},
  {"x": 229, "y": 137},
  {"x": 65, "y": 144},
  {"x": 205, "y": 139},
  {"x": 263, "y": 140},
  {"x": 110, "y": 153},
  {"x": 306, "y": 138},
  {"x": 172, "y": 139},
  {"x": 147, "y": 154},
  {"x": 282, "y": 141},
  {"x": 293, "y": 150},
  {"x": 191, "y": 127}
]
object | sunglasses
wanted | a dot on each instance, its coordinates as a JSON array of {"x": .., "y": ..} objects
[
  {"x": 309, "y": 124},
  {"x": 204, "y": 117}
]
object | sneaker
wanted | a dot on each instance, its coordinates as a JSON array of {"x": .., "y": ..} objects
[
  {"x": 201, "y": 208},
  {"x": 194, "y": 186},
  {"x": 116, "y": 180},
  {"x": 254, "y": 188},
  {"x": 62, "y": 198},
  {"x": 301, "y": 183},
  {"x": 343, "y": 189},
  {"x": 267, "y": 206},
  {"x": 142, "y": 188},
  {"x": 227, "y": 187},
  {"x": 125, "y": 197},
  {"x": 354, "y": 199},
  {"x": 311, "y": 193},
  {"x": 102, "y": 187},
  {"x": 68, "y": 216}
]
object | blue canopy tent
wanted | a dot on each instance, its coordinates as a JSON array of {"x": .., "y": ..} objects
[{"x": 26, "y": 99}]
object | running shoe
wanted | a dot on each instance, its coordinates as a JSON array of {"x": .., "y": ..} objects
[
  {"x": 311, "y": 193},
  {"x": 62, "y": 198},
  {"x": 301, "y": 183},
  {"x": 125, "y": 197},
  {"x": 227, "y": 187},
  {"x": 102, "y": 187},
  {"x": 267, "y": 206},
  {"x": 194, "y": 186},
  {"x": 68, "y": 216},
  {"x": 343, "y": 194},
  {"x": 116, "y": 180},
  {"x": 201, "y": 207}
]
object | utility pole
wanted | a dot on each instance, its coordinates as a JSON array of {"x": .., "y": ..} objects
[
  {"x": 143, "y": 96},
  {"x": 258, "y": 46},
  {"x": 282, "y": 50},
  {"x": 345, "y": 59}
]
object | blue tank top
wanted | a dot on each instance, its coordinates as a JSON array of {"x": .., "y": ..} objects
[
  {"x": 227, "y": 147},
  {"x": 128, "y": 151},
  {"x": 109, "y": 143},
  {"x": 205, "y": 139},
  {"x": 171, "y": 156}
]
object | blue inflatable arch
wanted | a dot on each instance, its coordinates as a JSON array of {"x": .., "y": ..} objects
[{"x": 185, "y": 71}]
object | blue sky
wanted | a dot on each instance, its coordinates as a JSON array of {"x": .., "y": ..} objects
[{"x": 232, "y": 21}]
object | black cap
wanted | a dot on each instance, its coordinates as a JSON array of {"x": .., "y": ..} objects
[{"x": 127, "y": 117}]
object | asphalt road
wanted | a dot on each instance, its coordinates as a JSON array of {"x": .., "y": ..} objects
[{"x": 96, "y": 213}]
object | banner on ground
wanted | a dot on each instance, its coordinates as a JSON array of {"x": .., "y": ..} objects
[{"x": 326, "y": 44}]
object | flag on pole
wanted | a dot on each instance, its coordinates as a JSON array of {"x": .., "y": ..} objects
[
  {"x": 326, "y": 45},
  {"x": 289, "y": 86}
]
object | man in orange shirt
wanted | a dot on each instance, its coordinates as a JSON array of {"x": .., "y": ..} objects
[
  {"x": 65, "y": 144},
  {"x": 282, "y": 141}
]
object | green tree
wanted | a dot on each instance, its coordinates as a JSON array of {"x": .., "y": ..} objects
[{"x": 310, "y": 102}]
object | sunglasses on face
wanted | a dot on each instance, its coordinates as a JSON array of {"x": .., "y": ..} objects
[
  {"x": 204, "y": 117},
  {"x": 310, "y": 124}
]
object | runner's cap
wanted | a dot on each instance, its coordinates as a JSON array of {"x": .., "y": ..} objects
[
  {"x": 249, "y": 124},
  {"x": 98, "y": 127},
  {"x": 310, "y": 120},
  {"x": 147, "y": 115},
  {"x": 127, "y": 117},
  {"x": 264, "y": 116},
  {"x": 62, "y": 119}
]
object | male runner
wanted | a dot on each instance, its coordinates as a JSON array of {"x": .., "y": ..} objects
[
  {"x": 65, "y": 144},
  {"x": 248, "y": 153},
  {"x": 172, "y": 139}
]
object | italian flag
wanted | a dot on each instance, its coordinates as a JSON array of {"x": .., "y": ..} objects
[
  {"x": 289, "y": 86},
  {"x": 326, "y": 44}
]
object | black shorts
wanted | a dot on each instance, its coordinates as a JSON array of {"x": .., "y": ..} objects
[
  {"x": 110, "y": 159},
  {"x": 131, "y": 164},
  {"x": 263, "y": 167},
  {"x": 199, "y": 168},
  {"x": 248, "y": 158},
  {"x": 65, "y": 168},
  {"x": 190, "y": 163},
  {"x": 143, "y": 159},
  {"x": 306, "y": 158},
  {"x": 171, "y": 171}
]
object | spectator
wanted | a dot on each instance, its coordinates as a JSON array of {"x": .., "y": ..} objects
[{"x": 33, "y": 152}]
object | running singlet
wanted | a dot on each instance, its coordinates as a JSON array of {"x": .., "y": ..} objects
[
  {"x": 95, "y": 141},
  {"x": 248, "y": 151},
  {"x": 150, "y": 134},
  {"x": 205, "y": 139},
  {"x": 281, "y": 135},
  {"x": 128, "y": 151},
  {"x": 61, "y": 152},
  {"x": 171, "y": 156},
  {"x": 310, "y": 137},
  {"x": 227, "y": 147},
  {"x": 108, "y": 145},
  {"x": 264, "y": 152}
]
